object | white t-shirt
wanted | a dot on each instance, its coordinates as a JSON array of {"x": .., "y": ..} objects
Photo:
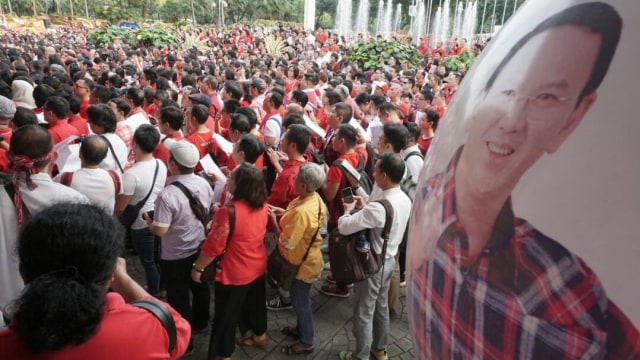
[
  {"x": 137, "y": 182},
  {"x": 120, "y": 149},
  {"x": 273, "y": 128},
  {"x": 95, "y": 184},
  {"x": 413, "y": 163},
  {"x": 138, "y": 119}
]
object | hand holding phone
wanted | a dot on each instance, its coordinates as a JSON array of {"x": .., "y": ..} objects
[{"x": 347, "y": 195}]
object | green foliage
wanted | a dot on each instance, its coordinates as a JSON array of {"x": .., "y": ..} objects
[
  {"x": 156, "y": 36},
  {"x": 372, "y": 54},
  {"x": 465, "y": 57},
  {"x": 106, "y": 35}
]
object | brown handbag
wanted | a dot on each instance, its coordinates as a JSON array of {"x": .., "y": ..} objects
[
  {"x": 209, "y": 273},
  {"x": 279, "y": 270},
  {"x": 349, "y": 265}
]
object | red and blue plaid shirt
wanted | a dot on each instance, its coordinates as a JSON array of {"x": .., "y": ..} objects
[{"x": 524, "y": 297}]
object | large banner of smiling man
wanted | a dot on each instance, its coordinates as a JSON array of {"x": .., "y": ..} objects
[{"x": 523, "y": 241}]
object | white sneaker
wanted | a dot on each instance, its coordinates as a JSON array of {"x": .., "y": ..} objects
[{"x": 327, "y": 266}]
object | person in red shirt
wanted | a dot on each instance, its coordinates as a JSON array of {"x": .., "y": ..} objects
[
  {"x": 82, "y": 89},
  {"x": 169, "y": 124},
  {"x": 202, "y": 137},
  {"x": 56, "y": 110},
  {"x": 423, "y": 47},
  {"x": 75, "y": 119},
  {"x": 208, "y": 87},
  {"x": 428, "y": 123},
  {"x": 69, "y": 273},
  {"x": 294, "y": 143}
]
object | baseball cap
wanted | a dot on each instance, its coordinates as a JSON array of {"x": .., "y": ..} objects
[
  {"x": 201, "y": 99},
  {"x": 7, "y": 107},
  {"x": 258, "y": 84},
  {"x": 183, "y": 152}
]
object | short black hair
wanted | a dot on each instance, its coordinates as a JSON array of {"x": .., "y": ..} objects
[
  {"x": 24, "y": 116},
  {"x": 172, "y": 115},
  {"x": 32, "y": 141},
  {"x": 250, "y": 114},
  {"x": 200, "y": 113},
  {"x": 348, "y": 133},
  {"x": 122, "y": 105},
  {"x": 136, "y": 95},
  {"x": 233, "y": 87},
  {"x": 103, "y": 116},
  {"x": 150, "y": 75},
  {"x": 147, "y": 137},
  {"x": 58, "y": 105},
  {"x": 599, "y": 18},
  {"x": 230, "y": 106},
  {"x": 94, "y": 149},
  {"x": 276, "y": 99},
  {"x": 299, "y": 135},
  {"x": 240, "y": 122},
  {"x": 344, "y": 110},
  {"x": 251, "y": 146},
  {"x": 300, "y": 97},
  {"x": 414, "y": 130},
  {"x": 41, "y": 93},
  {"x": 397, "y": 135},
  {"x": 333, "y": 97},
  {"x": 393, "y": 165},
  {"x": 101, "y": 93},
  {"x": 293, "y": 119}
]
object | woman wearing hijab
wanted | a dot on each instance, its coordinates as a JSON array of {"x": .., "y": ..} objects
[{"x": 23, "y": 94}]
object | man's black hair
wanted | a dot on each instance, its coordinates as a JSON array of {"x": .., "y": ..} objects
[
  {"x": 102, "y": 115},
  {"x": 147, "y": 137},
  {"x": 299, "y": 135},
  {"x": 58, "y": 105},
  {"x": 393, "y": 165},
  {"x": 200, "y": 113},
  {"x": 172, "y": 115},
  {"x": 348, "y": 133},
  {"x": 24, "y": 116},
  {"x": 136, "y": 95},
  {"x": 599, "y": 18},
  {"x": 251, "y": 146},
  {"x": 233, "y": 88},
  {"x": 300, "y": 97},
  {"x": 397, "y": 135}
]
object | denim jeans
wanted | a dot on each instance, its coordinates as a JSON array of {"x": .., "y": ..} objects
[
  {"x": 301, "y": 301},
  {"x": 144, "y": 243}
]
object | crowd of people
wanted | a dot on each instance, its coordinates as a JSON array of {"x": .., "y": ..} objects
[{"x": 263, "y": 143}]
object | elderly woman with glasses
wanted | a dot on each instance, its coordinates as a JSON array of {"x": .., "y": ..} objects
[{"x": 300, "y": 232}]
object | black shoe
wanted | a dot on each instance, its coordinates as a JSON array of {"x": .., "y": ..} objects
[{"x": 277, "y": 303}]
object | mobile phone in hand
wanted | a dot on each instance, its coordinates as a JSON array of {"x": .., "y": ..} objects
[{"x": 347, "y": 195}]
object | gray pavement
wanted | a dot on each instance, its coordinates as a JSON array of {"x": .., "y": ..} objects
[{"x": 332, "y": 324}]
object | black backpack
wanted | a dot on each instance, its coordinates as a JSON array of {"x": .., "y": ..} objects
[{"x": 365, "y": 181}]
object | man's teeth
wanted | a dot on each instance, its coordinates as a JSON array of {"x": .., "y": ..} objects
[{"x": 500, "y": 150}]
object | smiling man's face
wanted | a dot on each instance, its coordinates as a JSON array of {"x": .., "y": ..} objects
[{"x": 530, "y": 109}]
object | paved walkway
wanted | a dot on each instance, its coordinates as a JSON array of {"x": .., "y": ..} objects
[{"x": 332, "y": 323}]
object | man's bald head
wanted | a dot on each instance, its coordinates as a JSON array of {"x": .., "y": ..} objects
[{"x": 93, "y": 150}]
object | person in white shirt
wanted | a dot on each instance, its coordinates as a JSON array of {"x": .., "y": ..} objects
[
  {"x": 371, "y": 311},
  {"x": 137, "y": 116},
  {"x": 102, "y": 121},
  {"x": 137, "y": 183},
  {"x": 27, "y": 192},
  {"x": 100, "y": 186}
]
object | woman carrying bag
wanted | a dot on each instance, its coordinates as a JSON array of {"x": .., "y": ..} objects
[
  {"x": 299, "y": 244},
  {"x": 239, "y": 279}
]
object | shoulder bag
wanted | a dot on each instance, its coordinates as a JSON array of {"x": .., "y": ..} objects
[
  {"x": 130, "y": 213},
  {"x": 279, "y": 270},
  {"x": 349, "y": 265}
]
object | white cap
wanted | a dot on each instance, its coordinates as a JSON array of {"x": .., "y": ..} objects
[{"x": 183, "y": 152}]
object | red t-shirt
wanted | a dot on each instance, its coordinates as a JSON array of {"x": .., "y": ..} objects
[
  {"x": 61, "y": 130},
  {"x": 125, "y": 332},
  {"x": 84, "y": 105},
  {"x": 161, "y": 152},
  {"x": 4, "y": 162},
  {"x": 6, "y": 134},
  {"x": 246, "y": 258},
  {"x": 423, "y": 144},
  {"x": 282, "y": 190},
  {"x": 204, "y": 143},
  {"x": 80, "y": 123},
  {"x": 335, "y": 175}
]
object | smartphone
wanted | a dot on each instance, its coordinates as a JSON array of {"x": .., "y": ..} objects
[
  {"x": 149, "y": 214},
  {"x": 347, "y": 195}
]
